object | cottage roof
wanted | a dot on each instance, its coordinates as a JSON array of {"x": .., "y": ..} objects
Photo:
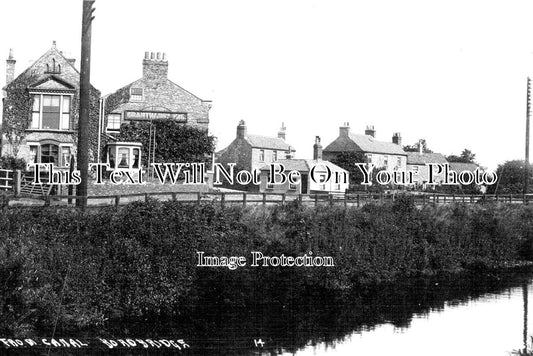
[
  {"x": 460, "y": 166},
  {"x": 303, "y": 165},
  {"x": 365, "y": 143},
  {"x": 267, "y": 142},
  {"x": 423, "y": 158}
]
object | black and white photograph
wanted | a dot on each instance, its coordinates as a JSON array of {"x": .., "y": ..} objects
[{"x": 247, "y": 177}]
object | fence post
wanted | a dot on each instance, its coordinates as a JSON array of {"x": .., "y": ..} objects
[
  {"x": 510, "y": 198},
  {"x": 300, "y": 198},
  {"x": 283, "y": 199},
  {"x": 471, "y": 198},
  {"x": 358, "y": 200},
  {"x": 146, "y": 197},
  {"x": 345, "y": 200},
  {"x": 331, "y": 200},
  {"x": 316, "y": 200},
  {"x": 244, "y": 199},
  {"x": 17, "y": 177},
  {"x": 173, "y": 196},
  {"x": 47, "y": 200},
  {"x": 222, "y": 199},
  {"x": 198, "y": 198},
  {"x": 264, "y": 199},
  {"x": 453, "y": 195},
  {"x": 117, "y": 200}
]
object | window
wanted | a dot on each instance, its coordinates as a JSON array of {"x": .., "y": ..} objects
[
  {"x": 58, "y": 155},
  {"x": 336, "y": 187},
  {"x": 369, "y": 158},
  {"x": 124, "y": 159},
  {"x": 50, "y": 112},
  {"x": 292, "y": 186},
  {"x": 268, "y": 184},
  {"x": 322, "y": 186},
  {"x": 136, "y": 154},
  {"x": 34, "y": 151},
  {"x": 136, "y": 94},
  {"x": 113, "y": 122},
  {"x": 65, "y": 156},
  {"x": 398, "y": 162},
  {"x": 50, "y": 154},
  {"x": 415, "y": 168},
  {"x": 262, "y": 155},
  {"x": 385, "y": 161},
  {"x": 274, "y": 156}
]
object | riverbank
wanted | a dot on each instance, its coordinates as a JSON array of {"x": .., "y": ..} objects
[{"x": 85, "y": 270}]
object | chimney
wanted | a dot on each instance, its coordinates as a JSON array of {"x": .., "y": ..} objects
[
  {"x": 317, "y": 149},
  {"x": 10, "y": 67},
  {"x": 241, "y": 129},
  {"x": 281, "y": 132},
  {"x": 397, "y": 138},
  {"x": 370, "y": 131},
  {"x": 345, "y": 129},
  {"x": 155, "y": 66}
]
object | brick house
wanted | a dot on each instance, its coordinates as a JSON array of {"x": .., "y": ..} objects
[
  {"x": 152, "y": 97},
  {"x": 319, "y": 185},
  {"x": 251, "y": 152},
  {"x": 41, "y": 110},
  {"x": 388, "y": 155}
]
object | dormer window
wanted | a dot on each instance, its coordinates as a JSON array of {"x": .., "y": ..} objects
[{"x": 136, "y": 94}]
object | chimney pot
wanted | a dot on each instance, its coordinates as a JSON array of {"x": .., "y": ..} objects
[
  {"x": 158, "y": 56},
  {"x": 345, "y": 129},
  {"x": 164, "y": 56},
  {"x": 241, "y": 129},
  {"x": 10, "y": 67},
  {"x": 152, "y": 55},
  {"x": 146, "y": 55},
  {"x": 370, "y": 131}
]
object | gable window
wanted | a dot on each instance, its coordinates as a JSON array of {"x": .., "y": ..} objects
[
  {"x": 50, "y": 112},
  {"x": 113, "y": 122},
  {"x": 136, "y": 94}
]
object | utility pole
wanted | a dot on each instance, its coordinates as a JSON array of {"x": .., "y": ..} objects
[{"x": 85, "y": 87}]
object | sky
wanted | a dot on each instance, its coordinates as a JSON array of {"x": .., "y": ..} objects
[{"x": 451, "y": 72}]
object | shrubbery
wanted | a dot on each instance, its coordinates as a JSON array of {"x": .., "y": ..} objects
[{"x": 140, "y": 262}]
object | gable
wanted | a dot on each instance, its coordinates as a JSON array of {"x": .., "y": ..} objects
[{"x": 52, "y": 83}]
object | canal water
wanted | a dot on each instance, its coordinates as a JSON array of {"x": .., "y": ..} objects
[{"x": 477, "y": 314}]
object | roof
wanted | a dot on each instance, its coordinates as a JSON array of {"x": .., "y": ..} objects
[
  {"x": 460, "y": 166},
  {"x": 365, "y": 143},
  {"x": 302, "y": 165},
  {"x": 267, "y": 142},
  {"x": 423, "y": 158}
]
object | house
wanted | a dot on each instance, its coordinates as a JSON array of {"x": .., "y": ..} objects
[
  {"x": 41, "y": 110},
  {"x": 251, "y": 152},
  {"x": 388, "y": 155},
  {"x": 416, "y": 163},
  {"x": 150, "y": 98},
  {"x": 317, "y": 176}
]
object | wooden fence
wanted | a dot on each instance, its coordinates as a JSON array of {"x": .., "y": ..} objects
[{"x": 246, "y": 198}]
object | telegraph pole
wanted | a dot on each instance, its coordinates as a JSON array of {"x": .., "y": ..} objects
[{"x": 85, "y": 87}]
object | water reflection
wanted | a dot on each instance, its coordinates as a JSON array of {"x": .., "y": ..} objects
[{"x": 485, "y": 314}]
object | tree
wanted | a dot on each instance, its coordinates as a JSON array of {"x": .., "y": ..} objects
[
  {"x": 511, "y": 178},
  {"x": 347, "y": 161},
  {"x": 466, "y": 157},
  {"x": 175, "y": 142},
  {"x": 416, "y": 147}
]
